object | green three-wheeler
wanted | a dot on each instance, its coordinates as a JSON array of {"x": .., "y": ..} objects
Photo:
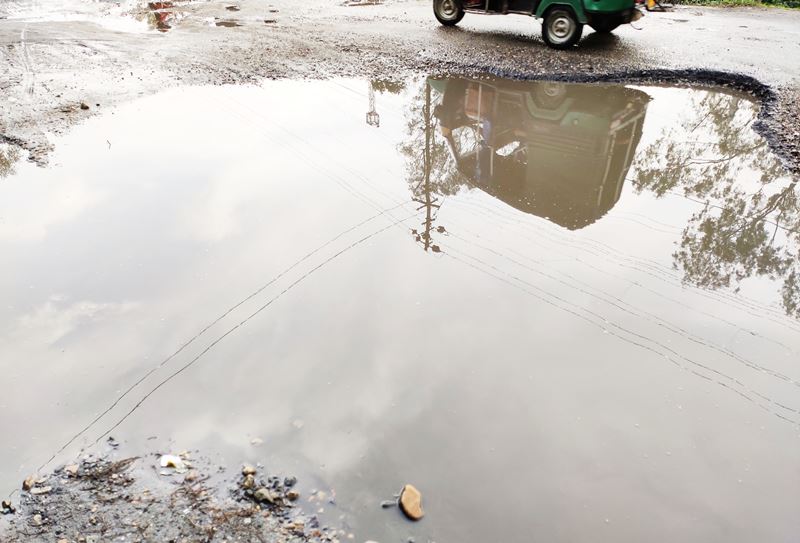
[{"x": 563, "y": 20}]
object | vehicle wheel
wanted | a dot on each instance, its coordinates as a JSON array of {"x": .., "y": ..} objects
[
  {"x": 561, "y": 28},
  {"x": 604, "y": 25},
  {"x": 549, "y": 94},
  {"x": 448, "y": 12}
]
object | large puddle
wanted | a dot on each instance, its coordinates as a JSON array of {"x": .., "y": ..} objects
[{"x": 564, "y": 312}]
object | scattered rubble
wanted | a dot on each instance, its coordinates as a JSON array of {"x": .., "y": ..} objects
[{"x": 101, "y": 499}]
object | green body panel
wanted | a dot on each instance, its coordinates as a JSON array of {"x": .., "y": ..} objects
[
  {"x": 608, "y": 6},
  {"x": 576, "y": 5},
  {"x": 585, "y": 8}
]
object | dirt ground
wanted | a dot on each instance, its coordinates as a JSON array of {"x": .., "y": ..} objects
[{"x": 60, "y": 69}]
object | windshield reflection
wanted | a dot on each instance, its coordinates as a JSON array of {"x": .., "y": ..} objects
[{"x": 556, "y": 150}]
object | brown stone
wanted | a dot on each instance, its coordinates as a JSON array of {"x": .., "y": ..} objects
[
  {"x": 411, "y": 502},
  {"x": 28, "y": 483}
]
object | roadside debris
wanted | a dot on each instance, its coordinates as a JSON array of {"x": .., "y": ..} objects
[
  {"x": 270, "y": 491},
  {"x": 228, "y": 23},
  {"x": 175, "y": 462},
  {"x": 100, "y": 499},
  {"x": 36, "y": 485},
  {"x": 36, "y": 491}
]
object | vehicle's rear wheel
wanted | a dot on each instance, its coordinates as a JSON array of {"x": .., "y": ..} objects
[
  {"x": 448, "y": 12},
  {"x": 604, "y": 25},
  {"x": 561, "y": 28},
  {"x": 549, "y": 94}
]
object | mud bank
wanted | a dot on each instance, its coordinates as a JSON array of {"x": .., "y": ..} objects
[{"x": 134, "y": 499}]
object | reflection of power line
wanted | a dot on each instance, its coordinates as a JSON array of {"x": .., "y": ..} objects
[
  {"x": 248, "y": 318},
  {"x": 212, "y": 323},
  {"x": 589, "y": 316},
  {"x": 643, "y": 265},
  {"x": 631, "y": 310},
  {"x": 344, "y": 183}
]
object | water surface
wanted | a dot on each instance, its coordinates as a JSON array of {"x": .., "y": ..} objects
[{"x": 564, "y": 312}]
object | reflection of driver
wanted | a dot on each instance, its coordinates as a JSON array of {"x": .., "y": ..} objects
[
  {"x": 451, "y": 111},
  {"x": 463, "y": 105}
]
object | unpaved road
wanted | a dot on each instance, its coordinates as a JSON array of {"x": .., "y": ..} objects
[{"x": 103, "y": 53}]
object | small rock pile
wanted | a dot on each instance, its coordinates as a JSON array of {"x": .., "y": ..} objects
[
  {"x": 272, "y": 491},
  {"x": 277, "y": 495}
]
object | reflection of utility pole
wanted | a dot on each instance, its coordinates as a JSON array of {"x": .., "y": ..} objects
[
  {"x": 427, "y": 199},
  {"x": 373, "y": 119}
]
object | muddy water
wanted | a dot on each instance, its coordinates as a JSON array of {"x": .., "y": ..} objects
[{"x": 564, "y": 312}]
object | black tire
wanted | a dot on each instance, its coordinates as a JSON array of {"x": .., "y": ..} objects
[
  {"x": 604, "y": 25},
  {"x": 549, "y": 94},
  {"x": 448, "y": 12},
  {"x": 560, "y": 28}
]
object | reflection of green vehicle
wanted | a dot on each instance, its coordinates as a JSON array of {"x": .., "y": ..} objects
[
  {"x": 563, "y": 20},
  {"x": 556, "y": 150}
]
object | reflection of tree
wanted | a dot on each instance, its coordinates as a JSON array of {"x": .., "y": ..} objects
[
  {"x": 8, "y": 156},
  {"x": 428, "y": 157},
  {"x": 750, "y": 223},
  {"x": 430, "y": 171},
  {"x": 386, "y": 85}
]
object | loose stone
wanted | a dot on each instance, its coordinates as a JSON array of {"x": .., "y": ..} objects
[
  {"x": 411, "y": 502},
  {"x": 264, "y": 495},
  {"x": 293, "y": 495}
]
